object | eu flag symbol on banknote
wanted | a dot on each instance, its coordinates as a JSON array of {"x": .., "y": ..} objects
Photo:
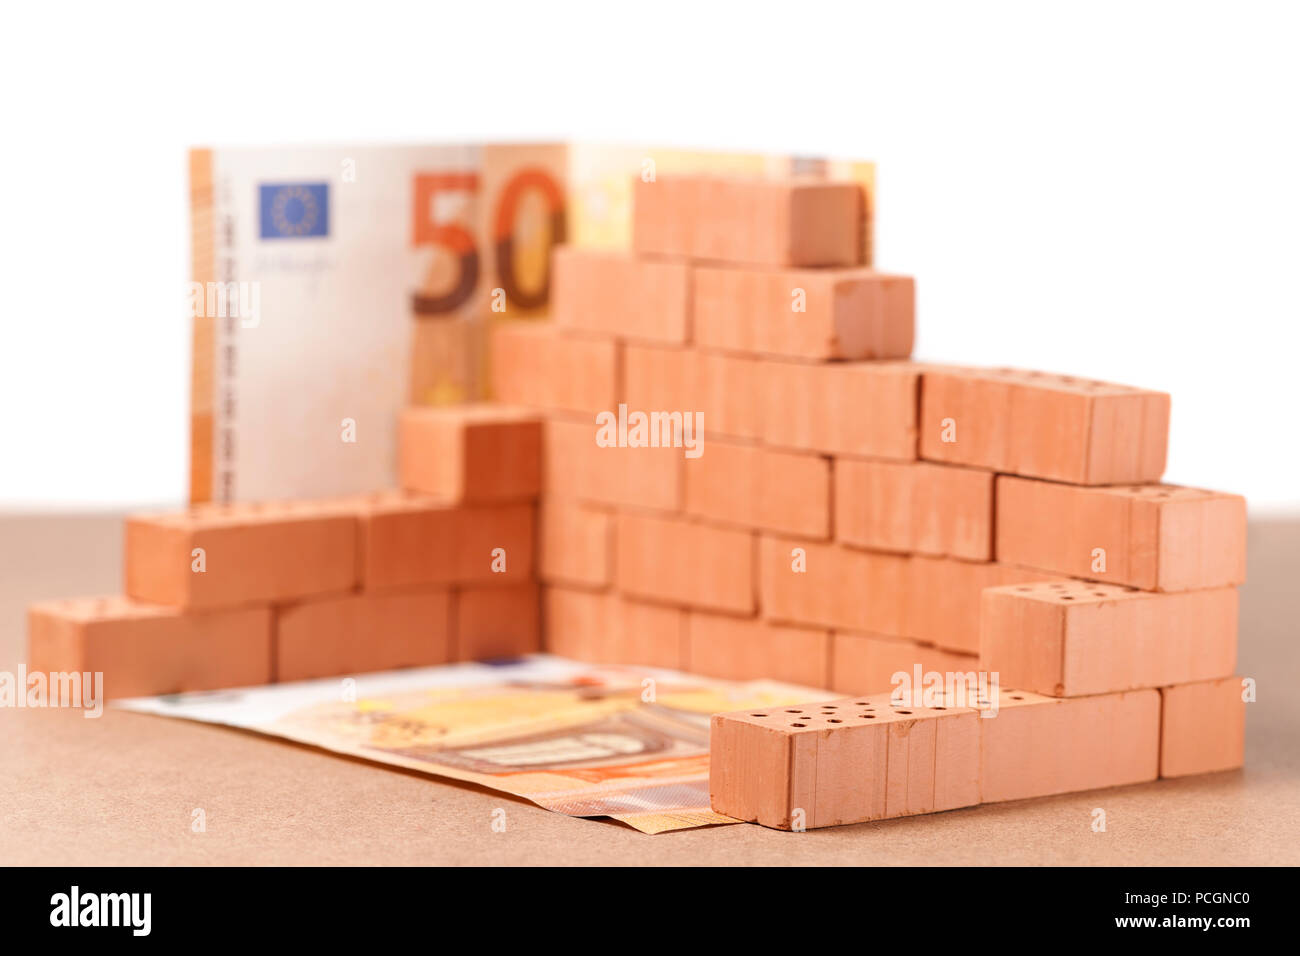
[{"x": 294, "y": 210}]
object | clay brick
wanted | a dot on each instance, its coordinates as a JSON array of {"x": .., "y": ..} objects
[
  {"x": 843, "y": 761},
  {"x": 575, "y": 544},
  {"x": 840, "y": 588},
  {"x": 616, "y": 293},
  {"x": 362, "y": 632},
  {"x": 745, "y": 220},
  {"x": 1044, "y": 426},
  {"x": 1155, "y": 537},
  {"x": 253, "y": 553},
  {"x": 744, "y": 648},
  {"x": 537, "y": 366},
  {"x": 867, "y": 664},
  {"x": 605, "y": 628},
  {"x": 576, "y": 468},
  {"x": 147, "y": 649},
  {"x": 679, "y": 562},
  {"x": 498, "y": 622},
  {"x": 805, "y": 313},
  {"x": 723, "y": 387},
  {"x": 647, "y": 634},
  {"x": 407, "y": 541},
  {"x": 840, "y": 408},
  {"x": 1036, "y": 746},
  {"x": 756, "y": 487},
  {"x": 943, "y": 599},
  {"x": 472, "y": 453},
  {"x": 914, "y": 507},
  {"x": 1202, "y": 727},
  {"x": 1072, "y": 638}
]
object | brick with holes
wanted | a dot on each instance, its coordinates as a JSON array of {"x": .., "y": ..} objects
[
  {"x": 1202, "y": 727},
  {"x": 793, "y": 222},
  {"x": 1043, "y": 426},
  {"x": 1035, "y": 745},
  {"x": 146, "y": 649},
  {"x": 213, "y": 556},
  {"x": 473, "y": 453},
  {"x": 805, "y": 313},
  {"x": 842, "y": 761},
  {"x": 1153, "y": 537},
  {"x": 1074, "y": 638}
]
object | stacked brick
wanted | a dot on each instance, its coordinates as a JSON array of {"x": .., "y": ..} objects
[
  {"x": 718, "y": 457},
  {"x": 854, "y": 514},
  {"x": 221, "y": 596}
]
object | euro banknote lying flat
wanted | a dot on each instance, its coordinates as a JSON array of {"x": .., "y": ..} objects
[
  {"x": 330, "y": 286},
  {"x": 620, "y": 742}
]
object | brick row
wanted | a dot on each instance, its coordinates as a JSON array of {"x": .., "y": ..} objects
[{"x": 871, "y": 758}]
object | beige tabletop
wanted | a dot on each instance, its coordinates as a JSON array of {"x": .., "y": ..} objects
[{"x": 123, "y": 789}]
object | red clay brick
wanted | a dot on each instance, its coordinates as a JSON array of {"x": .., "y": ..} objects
[
  {"x": 743, "y": 648},
  {"x": 253, "y": 553},
  {"x": 1154, "y": 537},
  {"x": 147, "y": 649},
  {"x": 840, "y": 588},
  {"x": 818, "y": 314},
  {"x": 914, "y": 507},
  {"x": 756, "y": 487},
  {"x": 576, "y": 544},
  {"x": 346, "y": 635},
  {"x": 840, "y": 408},
  {"x": 578, "y": 469},
  {"x": 498, "y": 622},
  {"x": 1044, "y": 426},
  {"x": 679, "y": 562},
  {"x": 615, "y": 293},
  {"x": 746, "y": 220},
  {"x": 1202, "y": 727},
  {"x": 723, "y": 387},
  {"x": 867, "y": 663},
  {"x": 1037, "y": 746},
  {"x": 535, "y": 365},
  {"x": 842, "y": 761},
  {"x": 1073, "y": 638},
  {"x": 472, "y": 453},
  {"x": 605, "y": 628}
]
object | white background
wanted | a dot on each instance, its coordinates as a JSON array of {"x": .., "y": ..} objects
[{"x": 1108, "y": 190}]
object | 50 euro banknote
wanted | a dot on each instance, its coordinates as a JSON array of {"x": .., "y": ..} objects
[
  {"x": 587, "y": 741},
  {"x": 332, "y": 285}
]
